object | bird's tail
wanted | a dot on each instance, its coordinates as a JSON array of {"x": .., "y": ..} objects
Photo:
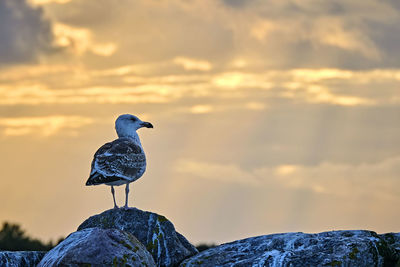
[{"x": 94, "y": 179}]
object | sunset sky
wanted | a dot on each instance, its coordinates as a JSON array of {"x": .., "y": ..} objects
[{"x": 269, "y": 116}]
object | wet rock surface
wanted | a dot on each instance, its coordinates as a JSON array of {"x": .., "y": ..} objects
[
  {"x": 335, "y": 248},
  {"x": 98, "y": 247},
  {"x": 154, "y": 231}
]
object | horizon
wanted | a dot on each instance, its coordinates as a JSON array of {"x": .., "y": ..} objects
[{"x": 268, "y": 117}]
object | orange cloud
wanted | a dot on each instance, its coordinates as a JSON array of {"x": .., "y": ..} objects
[
  {"x": 193, "y": 64},
  {"x": 45, "y": 126},
  {"x": 45, "y": 2},
  {"x": 328, "y": 178},
  {"x": 80, "y": 40},
  {"x": 37, "y": 85}
]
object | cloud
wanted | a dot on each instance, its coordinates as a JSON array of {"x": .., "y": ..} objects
[
  {"x": 201, "y": 109},
  {"x": 149, "y": 31},
  {"x": 45, "y": 2},
  {"x": 69, "y": 84},
  {"x": 240, "y": 80},
  {"x": 80, "y": 40},
  {"x": 255, "y": 105},
  {"x": 378, "y": 179},
  {"x": 333, "y": 32},
  {"x": 320, "y": 94},
  {"x": 193, "y": 64},
  {"x": 43, "y": 126},
  {"x": 360, "y": 34},
  {"x": 338, "y": 34},
  {"x": 36, "y": 95},
  {"x": 24, "y": 32},
  {"x": 208, "y": 170},
  {"x": 237, "y": 3},
  {"x": 28, "y": 34}
]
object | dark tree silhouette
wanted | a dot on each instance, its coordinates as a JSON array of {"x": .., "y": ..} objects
[
  {"x": 13, "y": 238},
  {"x": 202, "y": 247}
]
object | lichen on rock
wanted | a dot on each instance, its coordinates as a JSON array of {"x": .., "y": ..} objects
[
  {"x": 98, "y": 247},
  {"x": 334, "y": 248},
  {"x": 154, "y": 231}
]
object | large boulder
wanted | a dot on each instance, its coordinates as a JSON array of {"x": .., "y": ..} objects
[
  {"x": 157, "y": 233},
  {"x": 98, "y": 247},
  {"x": 20, "y": 258},
  {"x": 393, "y": 239},
  {"x": 335, "y": 248}
]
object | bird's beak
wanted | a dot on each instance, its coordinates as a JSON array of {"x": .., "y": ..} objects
[{"x": 146, "y": 124}]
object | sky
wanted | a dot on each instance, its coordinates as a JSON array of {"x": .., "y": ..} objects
[{"x": 269, "y": 116}]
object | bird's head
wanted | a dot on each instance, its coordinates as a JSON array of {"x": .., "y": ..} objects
[{"x": 127, "y": 124}]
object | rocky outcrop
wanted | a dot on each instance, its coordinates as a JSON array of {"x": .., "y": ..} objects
[
  {"x": 98, "y": 247},
  {"x": 393, "y": 240},
  {"x": 157, "y": 233},
  {"x": 335, "y": 248},
  {"x": 20, "y": 258},
  {"x": 131, "y": 237}
]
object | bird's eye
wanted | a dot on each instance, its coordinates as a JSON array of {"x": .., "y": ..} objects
[{"x": 133, "y": 119}]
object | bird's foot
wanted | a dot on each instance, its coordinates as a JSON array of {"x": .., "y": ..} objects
[{"x": 125, "y": 207}]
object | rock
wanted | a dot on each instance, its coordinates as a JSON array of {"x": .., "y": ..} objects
[
  {"x": 393, "y": 239},
  {"x": 157, "y": 233},
  {"x": 335, "y": 248},
  {"x": 98, "y": 247},
  {"x": 20, "y": 258}
]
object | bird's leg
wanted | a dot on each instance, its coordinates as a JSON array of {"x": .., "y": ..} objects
[
  {"x": 113, "y": 193},
  {"x": 126, "y": 195}
]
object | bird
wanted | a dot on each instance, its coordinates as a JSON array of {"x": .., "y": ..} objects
[{"x": 121, "y": 161}]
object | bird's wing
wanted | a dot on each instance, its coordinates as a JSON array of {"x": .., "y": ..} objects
[{"x": 120, "y": 159}]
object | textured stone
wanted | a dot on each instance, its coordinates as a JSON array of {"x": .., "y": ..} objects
[
  {"x": 157, "y": 233},
  {"x": 393, "y": 239},
  {"x": 20, "y": 258},
  {"x": 335, "y": 248},
  {"x": 98, "y": 247}
]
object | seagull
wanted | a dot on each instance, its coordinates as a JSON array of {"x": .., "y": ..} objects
[{"x": 121, "y": 161}]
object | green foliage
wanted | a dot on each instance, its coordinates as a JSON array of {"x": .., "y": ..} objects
[{"x": 13, "y": 238}]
